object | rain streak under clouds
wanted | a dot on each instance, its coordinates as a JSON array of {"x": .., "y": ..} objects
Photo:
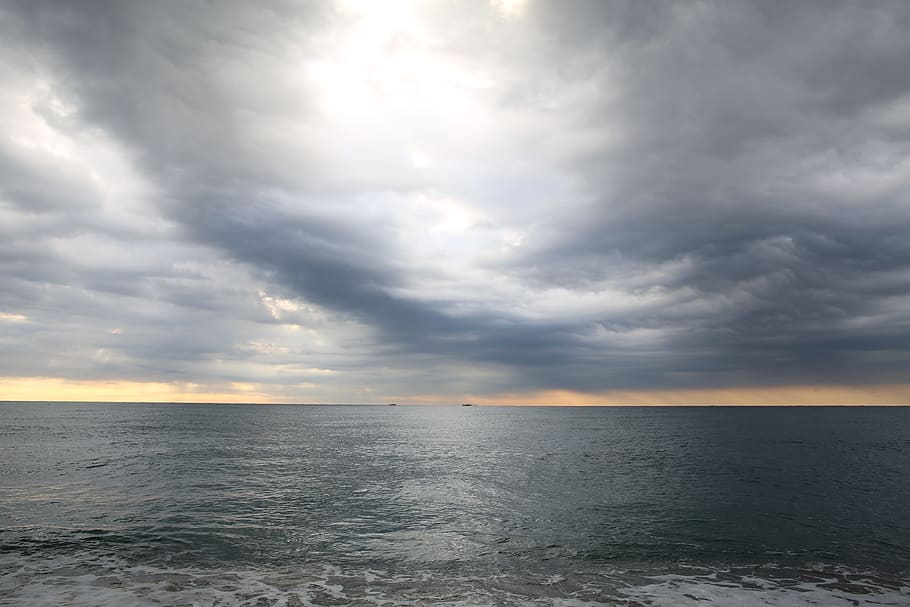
[{"x": 436, "y": 201}]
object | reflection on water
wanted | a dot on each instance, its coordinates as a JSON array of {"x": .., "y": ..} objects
[{"x": 468, "y": 491}]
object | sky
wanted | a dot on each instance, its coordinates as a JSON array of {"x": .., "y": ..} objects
[{"x": 506, "y": 201}]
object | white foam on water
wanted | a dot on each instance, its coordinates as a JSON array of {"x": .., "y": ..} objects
[
  {"x": 71, "y": 582},
  {"x": 107, "y": 582},
  {"x": 752, "y": 591}
]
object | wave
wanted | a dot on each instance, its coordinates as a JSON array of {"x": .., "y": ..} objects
[{"x": 103, "y": 581}]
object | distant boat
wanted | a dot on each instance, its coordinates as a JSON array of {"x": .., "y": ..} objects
[
  {"x": 393, "y": 404},
  {"x": 466, "y": 405}
]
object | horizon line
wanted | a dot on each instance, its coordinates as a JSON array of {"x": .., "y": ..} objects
[{"x": 474, "y": 404}]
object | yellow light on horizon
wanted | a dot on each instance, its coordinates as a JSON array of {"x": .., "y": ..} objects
[
  {"x": 59, "y": 389},
  {"x": 877, "y": 394}
]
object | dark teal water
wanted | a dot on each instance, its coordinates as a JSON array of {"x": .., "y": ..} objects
[{"x": 126, "y": 504}]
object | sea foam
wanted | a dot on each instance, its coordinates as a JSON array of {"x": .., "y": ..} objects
[{"x": 107, "y": 582}]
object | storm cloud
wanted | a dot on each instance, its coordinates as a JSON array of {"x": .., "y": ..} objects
[{"x": 354, "y": 202}]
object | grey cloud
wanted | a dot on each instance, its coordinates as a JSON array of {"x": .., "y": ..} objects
[
  {"x": 751, "y": 196},
  {"x": 160, "y": 89},
  {"x": 739, "y": 111}
]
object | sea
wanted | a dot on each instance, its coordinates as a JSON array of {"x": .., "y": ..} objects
[{"x": 221, "y": 505}]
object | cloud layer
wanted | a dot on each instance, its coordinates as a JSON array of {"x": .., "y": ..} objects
[{"x": 365, "y": 201}]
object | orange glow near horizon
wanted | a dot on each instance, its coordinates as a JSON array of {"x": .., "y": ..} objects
[
  {"x": 57, "y": 389},
  {"x": 879, "y": 394}
]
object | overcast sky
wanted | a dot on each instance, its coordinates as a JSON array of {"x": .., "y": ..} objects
[{"x": 427, "y": 201}]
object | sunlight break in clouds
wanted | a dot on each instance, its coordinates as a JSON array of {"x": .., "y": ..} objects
[{"x": 509, "y": 8}]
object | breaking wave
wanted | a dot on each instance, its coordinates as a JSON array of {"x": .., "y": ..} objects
[{"x": 76, "y": 581}]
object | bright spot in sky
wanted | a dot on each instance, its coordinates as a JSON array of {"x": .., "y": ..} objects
[
  {"x": 449, "y": 214},
  {"x": 277, "y": 306},
  {"x": 509, "y": 8},
  {"x": 9, "y": 317},
  {"x": 419, "y": 160}
]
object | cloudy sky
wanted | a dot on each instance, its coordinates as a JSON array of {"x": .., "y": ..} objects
[{"x": 431, "y": 202}]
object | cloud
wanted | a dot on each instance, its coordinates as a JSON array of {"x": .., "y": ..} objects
[
  {"x": 757, "y": 179},
  {"x": 447, "y": 198}
]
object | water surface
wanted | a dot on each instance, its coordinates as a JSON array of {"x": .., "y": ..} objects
[{"x": 294, "y": 505}]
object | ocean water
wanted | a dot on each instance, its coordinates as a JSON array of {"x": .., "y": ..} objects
[{"x": 141, "y": 504}]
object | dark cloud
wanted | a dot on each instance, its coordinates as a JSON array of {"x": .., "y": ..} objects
[
  {"x": 761, "y": 173},
  {"x": 629, "y": 195}
]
